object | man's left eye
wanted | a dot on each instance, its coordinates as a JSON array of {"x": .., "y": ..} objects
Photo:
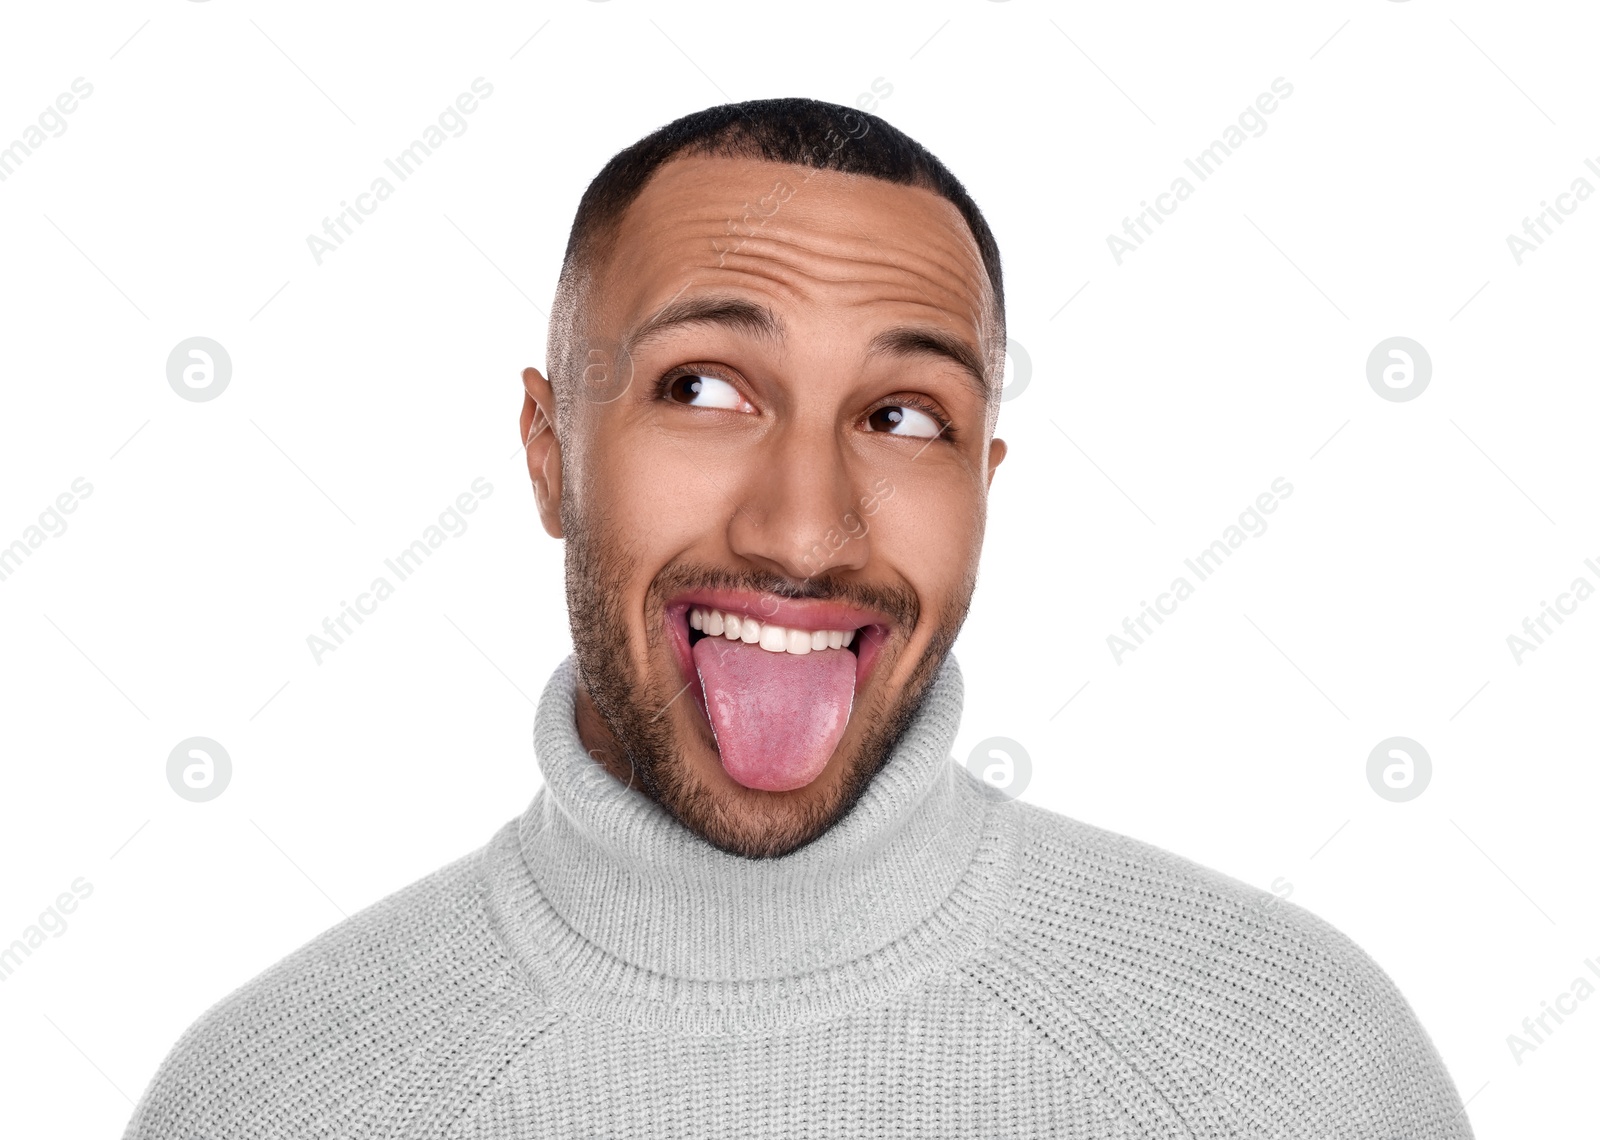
[{"x": 898, "y": 419}]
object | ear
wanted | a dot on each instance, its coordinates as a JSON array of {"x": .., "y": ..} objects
[
  {"x": 542, "y": 447},
  {"x": 997, "y": 452}
]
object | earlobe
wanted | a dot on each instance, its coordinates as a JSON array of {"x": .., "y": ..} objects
[{"x": 542, "y": 447}]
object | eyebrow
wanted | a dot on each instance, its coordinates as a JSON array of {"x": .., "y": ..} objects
[
  {"x": 921, "y": 340},
  {"x": 754, "y": 320},
  {"x": 734, "y": 313}
]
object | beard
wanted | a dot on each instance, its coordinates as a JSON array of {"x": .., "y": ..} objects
[{"x": 635, "y": 708}]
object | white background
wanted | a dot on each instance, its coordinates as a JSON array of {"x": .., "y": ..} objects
[{"x": 369, "y": 391}]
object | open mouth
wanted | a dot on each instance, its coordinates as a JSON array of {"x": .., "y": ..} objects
[{"x": 775, "y": 679}]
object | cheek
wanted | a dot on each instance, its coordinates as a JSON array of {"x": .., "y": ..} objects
[
  {"x": 929, "y": 532},
  {"x": 663, "y": 493}
]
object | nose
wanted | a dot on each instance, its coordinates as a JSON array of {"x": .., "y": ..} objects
[{"x": 799, "y": 512}]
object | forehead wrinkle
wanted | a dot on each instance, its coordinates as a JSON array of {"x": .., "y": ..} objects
[
  {"x": 909, "y": 336},
  {"x": 791, "y": 265},
  {"x": 922, "y": 265},
  {"x": 699, "y": 229},
  {"x": 795, "y": 269},
  {"x": 806, "y": 245},
  {"x": 682, "y": 201},
  {"x": 906, "y": 338},
  {"x": 849, "y": 291}
]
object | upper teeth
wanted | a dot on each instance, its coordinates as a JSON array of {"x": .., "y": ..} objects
[{"x": 775, "y": 638}]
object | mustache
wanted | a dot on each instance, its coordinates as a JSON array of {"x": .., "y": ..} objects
[{"x": 899, "y": 604}]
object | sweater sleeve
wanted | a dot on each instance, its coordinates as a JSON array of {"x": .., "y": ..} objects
[
  {"x": 1294, "y": 1034},
  {"x": 382, "y": 1017},
  {"x": 1377, "y": 1073},
  {"x": 1188, "y": 1003}
]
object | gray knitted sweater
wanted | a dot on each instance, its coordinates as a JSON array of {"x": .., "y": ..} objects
[{"x": 943, "y": 962}]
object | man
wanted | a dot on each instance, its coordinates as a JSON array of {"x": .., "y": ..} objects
[{"x": 755, "y": 896}]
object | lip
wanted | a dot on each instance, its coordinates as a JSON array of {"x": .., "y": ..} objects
[{"x": 872, "y": 627}]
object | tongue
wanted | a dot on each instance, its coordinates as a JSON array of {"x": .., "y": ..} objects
[{"x": 777, "y": 716}]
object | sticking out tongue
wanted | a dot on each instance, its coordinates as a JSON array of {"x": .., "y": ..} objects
[{"x": 777, "y": 716}]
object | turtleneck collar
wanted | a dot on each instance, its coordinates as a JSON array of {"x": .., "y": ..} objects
[{"x": 610, "y": 902}]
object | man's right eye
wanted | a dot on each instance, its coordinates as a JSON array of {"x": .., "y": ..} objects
[{"x": 696, "y": 390}]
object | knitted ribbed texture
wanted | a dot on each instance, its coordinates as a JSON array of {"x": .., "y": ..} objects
[{"x": 944, "y": 962}]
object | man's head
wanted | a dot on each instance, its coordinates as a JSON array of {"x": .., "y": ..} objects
[{"x": 775, "y": 358}]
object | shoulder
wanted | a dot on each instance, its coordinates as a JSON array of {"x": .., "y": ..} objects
[
  {"x": 320, "y": 1041},
  {"x": 1238, "y": 1004}
]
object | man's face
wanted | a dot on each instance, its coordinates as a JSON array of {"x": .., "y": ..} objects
[{"x": 767, "y": 456}]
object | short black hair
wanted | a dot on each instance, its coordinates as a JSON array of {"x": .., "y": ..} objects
[
  {"x": 790, "y": 130},
  {"x": 806, "y": 132}
]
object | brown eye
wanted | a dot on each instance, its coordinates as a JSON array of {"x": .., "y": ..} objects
[
  {"x": 695, "y": 390},
  {"x": 898, "y": 419},
  {"x": 685, "y": 389}
]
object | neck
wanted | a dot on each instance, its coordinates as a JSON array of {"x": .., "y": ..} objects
[
  {"x": 622, "y": 889},
  {"x": 597, "y": 739}
]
